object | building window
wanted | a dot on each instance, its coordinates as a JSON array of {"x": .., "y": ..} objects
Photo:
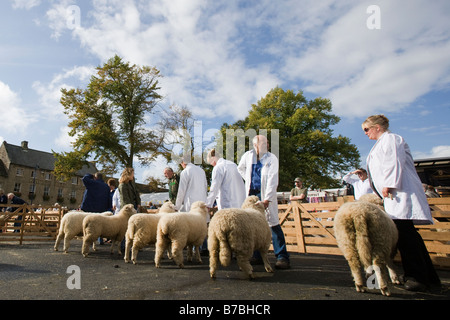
[
  {"x": 32, "y": 188},
  {"x": 17, "y": 187},
  {"x": 46, "y": 190},
  {"x": 73, "y": 194},
  {"x": 60, "y": 192},
  {"x": 33, "y": 174},
  {"x": 48, "y": 176},
  {"x": 19, "y": 172},
  {"x": 75, "y": 180}
]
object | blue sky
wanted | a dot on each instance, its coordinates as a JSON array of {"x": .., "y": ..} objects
[{"x": 220, "y": 57}]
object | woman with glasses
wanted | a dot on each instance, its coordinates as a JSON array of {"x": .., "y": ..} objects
[{"x": 394, "y": 178}]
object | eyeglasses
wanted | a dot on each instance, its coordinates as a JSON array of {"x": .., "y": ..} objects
[{"x": 367, "y": 129}]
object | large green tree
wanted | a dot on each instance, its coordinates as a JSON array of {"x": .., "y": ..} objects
[
  {"x": 108, "y": 119},
  {"x": 307, "y": 147}
]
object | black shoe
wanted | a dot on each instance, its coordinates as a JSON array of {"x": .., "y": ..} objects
[
  {"x": 415, "y": 286},
  {"x": 282, "y": 264}
]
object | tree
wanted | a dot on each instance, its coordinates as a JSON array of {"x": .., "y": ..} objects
[
  {"x": 108, "y": 118},
  {"x": 306, "y": 146}
]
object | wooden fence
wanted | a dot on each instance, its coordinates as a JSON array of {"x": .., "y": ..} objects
[
  {"x": 30, "y": 223},
  {"x": 308, "y": 228}
]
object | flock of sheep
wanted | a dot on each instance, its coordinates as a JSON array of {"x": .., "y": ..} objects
[
  {"x": 364, "y": 232},
  {"x": 241, "y": 231}
]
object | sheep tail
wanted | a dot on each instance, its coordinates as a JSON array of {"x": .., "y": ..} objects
[
  {"x": 225, "y": 253},
  {"x": 363, "y": 245}
]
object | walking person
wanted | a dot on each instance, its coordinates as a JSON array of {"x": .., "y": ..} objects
[
  {"x": 259, "y": 169},
  {"x": 394, "y": 178}
]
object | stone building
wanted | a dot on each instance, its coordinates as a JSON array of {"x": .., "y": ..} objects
[{"x": 29, "y": 174}]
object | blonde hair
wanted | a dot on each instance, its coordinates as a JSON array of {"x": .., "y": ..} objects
[
  {"x": 378, "y": 119},
  {"x": 126, "y": 175}
]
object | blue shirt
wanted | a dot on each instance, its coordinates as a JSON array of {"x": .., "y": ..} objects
[{"x": 256, "y": 176}]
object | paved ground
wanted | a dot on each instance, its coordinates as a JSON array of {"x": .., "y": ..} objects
[{"x": 36, "y": 272}]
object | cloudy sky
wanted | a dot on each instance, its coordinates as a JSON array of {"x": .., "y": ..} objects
[{"x": 220, "y": 57}]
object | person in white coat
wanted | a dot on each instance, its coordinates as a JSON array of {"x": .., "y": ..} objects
[
  {"x": 193, "y": 186},
  {"x": 360, "y": 182},
  {"x": 259, "y": 169},
  {"x": 227, "y": 186},
  {"x": 393, "y": 177}
]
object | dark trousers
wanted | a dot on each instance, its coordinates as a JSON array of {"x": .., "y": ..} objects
[{"x": 415, "y": 257}]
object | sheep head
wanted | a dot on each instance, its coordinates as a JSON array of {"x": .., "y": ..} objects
[
  {"x": 253, "y": 202},
  {"x": 167, "y": 207},
  {"x": 373, "y": 199},
  {"x": 199, "y": 206},
  {"x": 127, "y": 209}
]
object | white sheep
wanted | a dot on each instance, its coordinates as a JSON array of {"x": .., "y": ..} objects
[
  {"x": 242, "y": 231},
  {"x": 181, "y": 229},
  {"x": 142, "y": 231},
  {"x": 113, "y": 227},
  {"x": 367, "y": 235},
  {"x": 71, "y": 226}
]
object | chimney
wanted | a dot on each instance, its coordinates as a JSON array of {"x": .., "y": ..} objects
[{"x": 24, "y": 145}]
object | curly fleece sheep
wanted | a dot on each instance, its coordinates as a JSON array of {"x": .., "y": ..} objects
[
  {"x": 242, "y": 231},
  {"x": 142, "y": 231},
  {"x": 113, "y": 227},
  {"x": 368, "y": 236},
  {"x": 71, "y": 226},
  {"x": 181, "y": 229}
]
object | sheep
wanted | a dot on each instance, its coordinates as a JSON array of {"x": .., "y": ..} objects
[
  {"x": 242, "y": 231},
  {"x": 113, "y": 227},
  {"x": 367, "y": 235},
  {"x": 181, "y": 229},
  {"x": 141, "y": 231},
  {"x": 72, "y": 225}
]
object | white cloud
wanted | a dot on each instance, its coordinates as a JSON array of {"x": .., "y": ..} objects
[
  {"x": 190, "y": 42},
  {"x": 155, "y": 169},
  {"x": 25, "y": 4},
  {"x": 64, "y": 141},
  {"x": 436, "y": 152},
  {"x": 14, "y": 117},
  {"x": 364, "y": 71},
  {"x": 60, "y": 17},
  {"x": 50, "y": 93}
]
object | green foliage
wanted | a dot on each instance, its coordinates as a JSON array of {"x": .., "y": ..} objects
[
  {"x": 108, "y": 118},
  {"x": 307, "y": 147}
]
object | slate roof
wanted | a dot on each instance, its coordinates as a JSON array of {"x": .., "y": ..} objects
[{"x": 26, "y": 157}]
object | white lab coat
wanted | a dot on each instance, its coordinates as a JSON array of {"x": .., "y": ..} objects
[
  {"x": 360, "y": 187},
  {"x": 192, "y": 187},
  {"x": 227, "y": 186},
  {"x": 269, "y": 181},
  {"x": 391, "y": 165}
]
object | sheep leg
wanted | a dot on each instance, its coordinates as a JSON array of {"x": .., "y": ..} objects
[
  {"x": 213, "y": 245},
  {"x": 58, "y": 240},
  {"x": 197, "y": 254},
  {"x": 243, "y": 261},
  {"x": 128, "y": 244},
  {"x": 265, "y": 259},
  {"x": 134, "y": 251},
  {"x": 392, "y": 273},
  {"x": 380, "y": 272},
  {"x": 161, "y": 246},
  {"x": 177, "y": 253},
  {"x": 189, "y": 253},
  {"x": 67, "y": 239},
  {"x": 355, "y": 267}
]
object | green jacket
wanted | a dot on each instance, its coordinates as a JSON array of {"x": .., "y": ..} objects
[{"x": 129, "y": 194}]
